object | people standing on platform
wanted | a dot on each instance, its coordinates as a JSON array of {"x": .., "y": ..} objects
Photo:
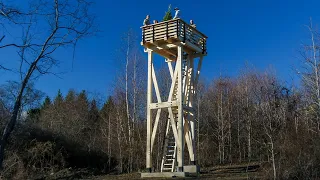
[
  {"x": 177, "y": 14},
  {"x": 146, "y": 21},
  {"x": 192, "y": 24}
]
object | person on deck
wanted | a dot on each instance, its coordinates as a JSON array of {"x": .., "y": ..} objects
[
  {"x": 146, "y": 21},
  {"x": 155, "y": 21},
  {"x": 192, "y": 24},
  {"x": 177, "y": 14}
]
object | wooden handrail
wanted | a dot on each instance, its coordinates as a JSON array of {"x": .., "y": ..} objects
[
  {"x": 173, "y": 20},
  {"x": 176, "y": 29},
  {"x": 194, "y": 29}
]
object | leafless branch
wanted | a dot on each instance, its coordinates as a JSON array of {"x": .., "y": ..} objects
[
  {"x": 67, "y": 23},
  {"x": 2, "y": 38},
  {"x": 4, "y": 68}
]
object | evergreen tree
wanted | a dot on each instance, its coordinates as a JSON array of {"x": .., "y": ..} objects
[
  {"x": 82, "y": 109},
  {"x": 83, "y": 101},
  {"x": 94, "y": 111},
  {"x": 46, "y": 103},
  {"x": 59, "y": 98},
  {"x": 33, "y": 115},
  {"x": 107, "y": 108},
  {"x": 168, "y": 15},
  {"x": 71, "y": 96}
]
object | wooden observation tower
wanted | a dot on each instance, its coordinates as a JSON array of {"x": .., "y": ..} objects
[{"x": 183, "y": 47}]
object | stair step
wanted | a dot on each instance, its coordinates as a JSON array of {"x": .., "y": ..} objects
[{"x": 168, "y": 164}]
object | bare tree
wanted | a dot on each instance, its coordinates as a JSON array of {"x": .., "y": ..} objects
[
  {"x": 47, "y": 26},
  {"x": 310, "y": 75}
]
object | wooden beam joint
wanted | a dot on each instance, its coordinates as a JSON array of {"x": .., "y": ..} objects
[{"x": 163, "y": 105}]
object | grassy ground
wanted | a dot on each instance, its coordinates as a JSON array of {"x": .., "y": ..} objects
[
  {"x": 227, "y": 172},
  {"x": 234, "y": 172}
]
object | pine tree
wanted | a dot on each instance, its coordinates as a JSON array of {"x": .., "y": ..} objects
[
  {"x": 46, "y": 103},
  {"x": 107, "y": 108},
  {"x": 83, "y": 101},
  {"x": 168, "y": 15},
  {"x": 71, "y": 96},
  {"x": 33, "y": 115},
  {"x": 93, "y": 112},
  {"x": 82, "y": 109},
  {"x": 59, "y": 98}
]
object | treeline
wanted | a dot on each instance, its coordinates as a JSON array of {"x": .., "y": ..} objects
[
  {"x": 251, "y": 118},
  {"x": 255, "y": 117}
]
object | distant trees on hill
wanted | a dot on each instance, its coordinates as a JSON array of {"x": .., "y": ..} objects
[{"x": 253, "y": 117}]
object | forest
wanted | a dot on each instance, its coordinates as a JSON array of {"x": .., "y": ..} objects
[{"x": 252, "y": 117}]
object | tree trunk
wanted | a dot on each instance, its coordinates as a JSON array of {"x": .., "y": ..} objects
[
  {"x": 127, "y": 105},
  {"x": 119, "y": 144},
  {"x": 273, "y": 160},
  {"x": 238, "y": 138},
  {"x": 134, "y": 109},
  {"x": 109, "y": 142},
  {"x": 248, "y": 122},
  {"x": 10, "y": 126}
]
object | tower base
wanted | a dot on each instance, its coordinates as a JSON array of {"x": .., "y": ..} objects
[
  {"x": 189, "y": 171},
  {"x": 164, "y": 175},
  {"x": 192, "y": 169}
]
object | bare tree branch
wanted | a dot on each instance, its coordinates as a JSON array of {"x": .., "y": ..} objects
[
  {"x": 2, "y": 38},
  {"x": 67, "y": 23}
]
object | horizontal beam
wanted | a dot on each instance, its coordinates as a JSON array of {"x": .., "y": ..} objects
[
  {"x": 165, "y": 48},
  {"x": 163, "y": 105},
  {"x": 192, "y": 46}
]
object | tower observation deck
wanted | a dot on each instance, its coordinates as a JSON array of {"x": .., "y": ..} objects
[
  {"x": 164, "y": 37},
  {"x": 183, "y": 47}
]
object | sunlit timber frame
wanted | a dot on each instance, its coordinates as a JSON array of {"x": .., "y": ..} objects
[{"x": 181, "y": 45}]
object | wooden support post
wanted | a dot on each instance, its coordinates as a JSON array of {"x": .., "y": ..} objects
[
  {"x": 180, "y": 155},
  {"x": 192, "y": 123},
  {"x": 195, "y": 87},
  {"x": 149, "y": 113},
  {"x": 170, "y": 69}
]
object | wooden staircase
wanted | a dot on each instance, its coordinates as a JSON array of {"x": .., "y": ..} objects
[
  {"x": 169, "y": 159},
  {"x": 169, "y": 151}
]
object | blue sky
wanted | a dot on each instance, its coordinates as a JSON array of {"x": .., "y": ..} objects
[{"x": 264, "y": 33}]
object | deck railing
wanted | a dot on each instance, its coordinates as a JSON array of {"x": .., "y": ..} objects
[{"x": 175, "y": 29}]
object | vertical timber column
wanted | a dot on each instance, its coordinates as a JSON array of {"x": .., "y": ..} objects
[
  {"x": 180, "y": 111},
  {"x": 192, "y": 124},
  {"x": 195, "y": 95},
  {"x": 149, "y": 114}
]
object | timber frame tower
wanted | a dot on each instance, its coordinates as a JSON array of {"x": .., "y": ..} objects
[{"x": 183, "y": 48}]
